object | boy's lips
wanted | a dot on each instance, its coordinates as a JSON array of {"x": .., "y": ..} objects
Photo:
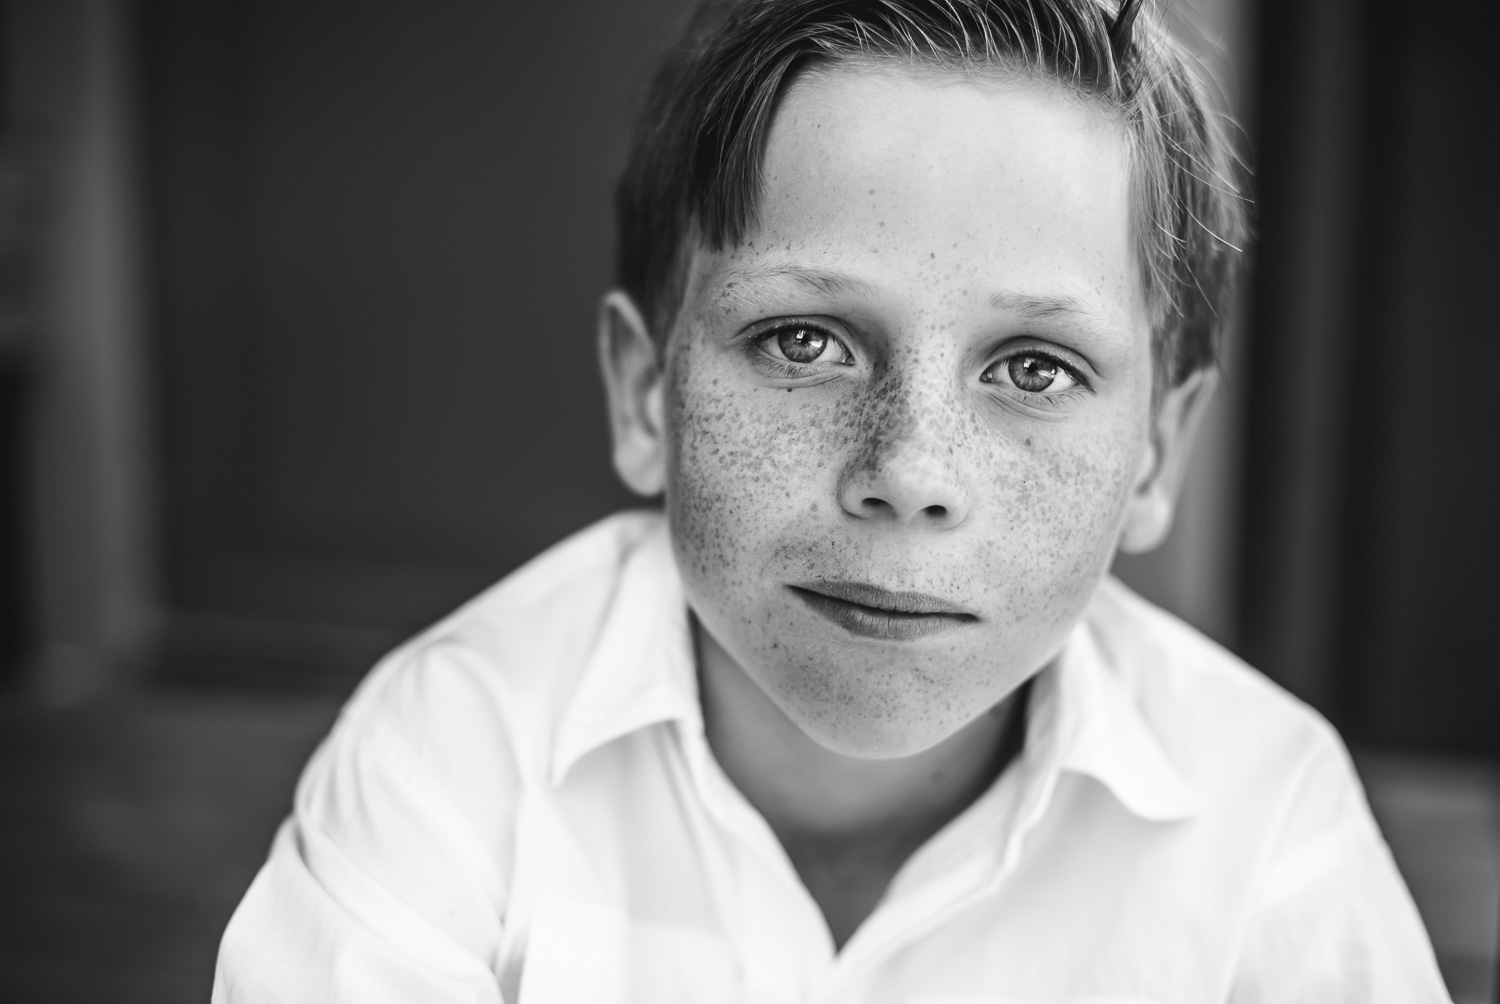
[{"x": 872, "y": 612}]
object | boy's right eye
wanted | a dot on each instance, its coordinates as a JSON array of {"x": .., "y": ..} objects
[{"x": 802, "y": 343}]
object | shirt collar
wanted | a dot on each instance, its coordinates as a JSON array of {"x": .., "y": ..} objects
[
  {"x": 641, "y": 668},
  {"x": 642, "y": 671},
  {"x": 1099, "y": 730}
]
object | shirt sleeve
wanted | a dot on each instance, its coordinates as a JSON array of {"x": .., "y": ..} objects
[
  {"x": 378, "y": 888},
  {"x": 1335, "y": 923}
]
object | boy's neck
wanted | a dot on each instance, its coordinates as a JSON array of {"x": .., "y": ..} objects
[{"x": 824, "y": 805}]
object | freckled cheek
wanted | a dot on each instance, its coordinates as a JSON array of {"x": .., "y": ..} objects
[
  {"x": 743, "y": 464},
  {"x": 1054, "y": 510}
]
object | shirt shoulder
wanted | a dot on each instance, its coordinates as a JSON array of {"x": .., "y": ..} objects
[
  {"x": 419, "y": 784},
  {"x": 1250, "y": 749},
  {"x": 1283, "y": 833},
  {"x": 448, "y": 731},
  {"x": 502, "y": 668},
  {"x": 399, "y": 856}
]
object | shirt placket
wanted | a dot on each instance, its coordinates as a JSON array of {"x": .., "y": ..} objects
[
  {"x": 776, "y": 926},
  {"x": 963, "y": 867}
]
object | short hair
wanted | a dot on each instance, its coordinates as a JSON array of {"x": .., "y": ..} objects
[{"x": 694, "y": 168}]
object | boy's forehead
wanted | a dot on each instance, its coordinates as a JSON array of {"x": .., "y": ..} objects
[
  {"x": 879, "y": 177},
  {"x": 989, "y": 156}
]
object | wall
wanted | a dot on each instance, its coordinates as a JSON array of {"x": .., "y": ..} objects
[
  {"x": 77, "y": 325},
  {"x": 1374, "y": 459},
  {"x": 380, "y": 245}
]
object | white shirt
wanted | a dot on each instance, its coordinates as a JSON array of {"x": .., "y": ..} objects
[{"x": 520, "y": 805}]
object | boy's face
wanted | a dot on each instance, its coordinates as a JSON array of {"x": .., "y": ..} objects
[{"x": 927, "y": 370}]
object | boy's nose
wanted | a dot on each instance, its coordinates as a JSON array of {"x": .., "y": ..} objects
[{"x": 914, "y": 483}]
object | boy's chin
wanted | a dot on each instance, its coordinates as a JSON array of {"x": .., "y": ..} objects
[{"x": 869, "y": 733}]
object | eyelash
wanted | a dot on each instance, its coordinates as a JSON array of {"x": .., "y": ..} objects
[
  {"x": 786, "y": 367},
  {"x": 1050, "y": 397}
]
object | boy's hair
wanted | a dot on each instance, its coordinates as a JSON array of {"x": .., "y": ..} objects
[{"x": 694, "y": 173}]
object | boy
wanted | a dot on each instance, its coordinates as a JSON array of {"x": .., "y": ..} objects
[{"x": 916, "y": 316}]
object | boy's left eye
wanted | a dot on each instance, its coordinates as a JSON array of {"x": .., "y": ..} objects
[{"x": 1033, "y": 373}]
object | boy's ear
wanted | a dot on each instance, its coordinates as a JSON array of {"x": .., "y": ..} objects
[
  {"x": 634, "y": 391},
  {"x": 1153, "y": 498}
]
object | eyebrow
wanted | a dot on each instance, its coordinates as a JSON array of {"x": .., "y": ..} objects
[
  {"x": 816, "y": 279},
  {"x": 1041, "y": 308}
]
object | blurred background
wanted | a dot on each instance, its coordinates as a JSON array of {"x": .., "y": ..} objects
[{"x": 296, "y": 318}]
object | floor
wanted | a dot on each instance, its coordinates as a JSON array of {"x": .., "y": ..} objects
[{"x": 129, "y": 829}]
